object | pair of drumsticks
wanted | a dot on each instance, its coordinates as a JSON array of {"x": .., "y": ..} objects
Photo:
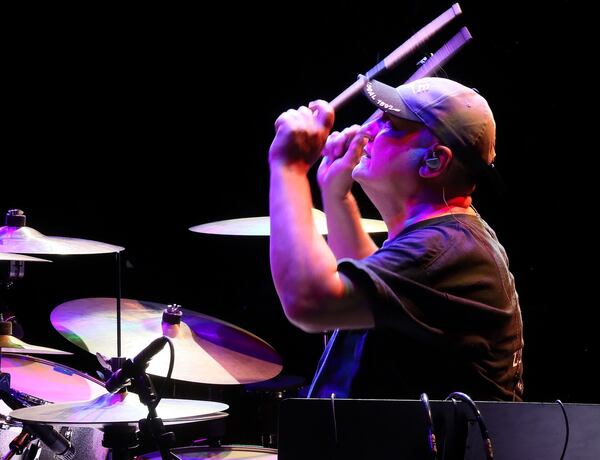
[{"x": 427, "y": 68}]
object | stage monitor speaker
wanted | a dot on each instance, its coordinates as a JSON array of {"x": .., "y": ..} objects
[{"x": 361, "y": 429}]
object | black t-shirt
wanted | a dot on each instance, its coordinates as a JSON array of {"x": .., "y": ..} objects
[{"x": 447, "y": 318}]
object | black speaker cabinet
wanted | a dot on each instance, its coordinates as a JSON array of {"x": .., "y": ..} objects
[{"x": 353, "y": 429}]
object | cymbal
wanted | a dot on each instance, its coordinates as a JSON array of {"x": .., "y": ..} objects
[
  {"x": 20, "y": 257},
  {"x": 118, "y": 408},
  {"x": 261, "y": 226},
  {"x": 10, "y": 344},
  {"x": 207, "y": 350},
  {"x": 29, "y": 241}
]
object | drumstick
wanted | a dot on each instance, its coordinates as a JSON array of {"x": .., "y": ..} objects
[
  {"x": 443, "y": 55},
  {"x": 398, "y": 54},
  {"x": 437, "y": 60}
]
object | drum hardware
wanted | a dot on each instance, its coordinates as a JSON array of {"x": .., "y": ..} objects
[
  {"x": 19, "y": 444},
  {"x": 109, "y": 365},
  {"x": 17, "y": 266},
  {"x": 229, "y": 354},
  {"x": 35, "y": 382},
  {"x": 16, "y": 237},
  {"x": 152, "y": 426},
  {"x": 16, "y": 218},
  {"x": 118, "y": 415},
  {"x": 16, "y": 271}
]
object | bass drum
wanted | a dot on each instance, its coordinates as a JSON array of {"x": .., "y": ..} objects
[
  {"x": 199, "y": 453},
  {"x": 39, "y": 381}
]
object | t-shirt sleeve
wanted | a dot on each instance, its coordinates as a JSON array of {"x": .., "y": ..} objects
[
  {"x": 431, "y": 284},
  {"x": 396, "y": 280}
]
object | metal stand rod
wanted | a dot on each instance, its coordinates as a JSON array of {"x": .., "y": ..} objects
[
  {"x": 153, "y": 424},
  {"x": 120, "y": 441},
  {"x": 118, "y": 282}
]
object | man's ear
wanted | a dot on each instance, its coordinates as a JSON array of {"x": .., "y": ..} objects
[{"x": 435, "y": 161}]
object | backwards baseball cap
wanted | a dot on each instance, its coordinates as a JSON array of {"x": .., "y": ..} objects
[{"x": 459, "y": 116}]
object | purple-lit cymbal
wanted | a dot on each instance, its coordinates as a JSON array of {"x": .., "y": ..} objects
[
  {"x": 118, "y": 408},
  {"x": 30, "y": 241},
  {"x": 207, "y": 350},
  {"x": 10, "y": 344},
  {"x": 261, "y": 226},
  {"x": 20, "y": 258}
]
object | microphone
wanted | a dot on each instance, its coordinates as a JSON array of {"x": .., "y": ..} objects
[
  {"x": 55, "y": 441},
  {"x": 135, "y": 367}
]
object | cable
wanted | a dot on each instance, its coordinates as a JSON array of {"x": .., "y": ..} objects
[
  {"x": 335, "y": 430},
  {"x": 559, "y": 402},
  {"x": 169, "y": 372},
  {"x": 171, "y": 455},
  {"x": 487, "y": 442},
  {"x": 430, "y": 431},
  {"x": 445, "y": 448}
]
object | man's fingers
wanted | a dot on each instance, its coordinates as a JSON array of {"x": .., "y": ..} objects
[{"x": 323, "y": 112}]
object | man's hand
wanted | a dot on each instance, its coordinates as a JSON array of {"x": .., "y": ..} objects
[
  {"x": 301, "y": 135},
  {"x": 341, "y": 154}
]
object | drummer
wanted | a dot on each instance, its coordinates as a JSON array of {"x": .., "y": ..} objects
[{"x": 434, "y": 310}]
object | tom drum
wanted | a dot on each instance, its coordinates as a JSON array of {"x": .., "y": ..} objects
[{"x": 38, "y": 381}]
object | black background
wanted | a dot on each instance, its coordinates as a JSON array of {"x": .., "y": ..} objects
[{"x": 129, "y": 127}]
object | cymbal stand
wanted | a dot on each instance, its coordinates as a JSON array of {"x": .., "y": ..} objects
[
  {"x": 118, "y": 280},
  {"x": 115, "y": 363},
  {"x": 15, "y": 218},
  {"x": 119, "y": 440},
  {"x": 15, "y": 272}
]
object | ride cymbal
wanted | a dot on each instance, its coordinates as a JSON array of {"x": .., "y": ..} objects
[
  {"x": 207, "y": 350},
  {"x": 261, "y": 226}
]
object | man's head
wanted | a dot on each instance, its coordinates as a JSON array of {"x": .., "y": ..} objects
[{"x": 459, "y": 116}]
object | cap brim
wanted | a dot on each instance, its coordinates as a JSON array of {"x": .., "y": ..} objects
[{"x": 388, "y": 99}]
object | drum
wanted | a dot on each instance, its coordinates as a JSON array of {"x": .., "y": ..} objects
[
  {"x": 40, "y": 381},
  {"x": 267, "y": 396},
  {"x": 232, "y": 452},
  {"x": 49, "y": 381}
]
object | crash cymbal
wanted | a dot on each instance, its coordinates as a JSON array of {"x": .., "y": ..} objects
[
  {"x": 261, "y": 226},
  {"x": 30, "y": 241},
  {"x": 21, "y": 257},
  {"x": 10, "y": 344},
  {"x": 118, "y": 408},
  {"x": 207, "y": 350}
]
